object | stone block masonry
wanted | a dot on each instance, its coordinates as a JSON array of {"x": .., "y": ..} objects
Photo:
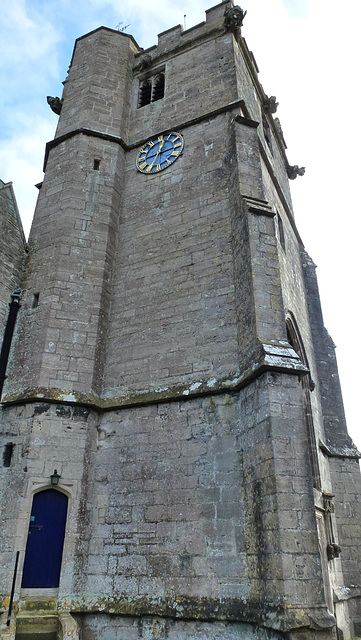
[
  {"x": 183, "y": 504},
  {"x": 170, "y": 362}
]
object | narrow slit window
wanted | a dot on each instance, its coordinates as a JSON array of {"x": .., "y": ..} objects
[
  {"x": 281, "y": 233},
  {"x": 96, "y": 165},
  {"x": 8, "y": 454},
  {"x": 35, "y": 300},
  {"x": 267, "y": 134}
]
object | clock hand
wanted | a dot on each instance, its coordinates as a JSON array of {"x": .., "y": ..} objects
[{"x": 157, "y": 154}]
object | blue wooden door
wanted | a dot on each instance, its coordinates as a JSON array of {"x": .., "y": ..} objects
[{"x": 44, "y": 547}]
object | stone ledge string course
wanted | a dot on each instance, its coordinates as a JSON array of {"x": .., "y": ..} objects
[
  {"x": 277, "y": 617},
  {"x": 277, "y": 357}
]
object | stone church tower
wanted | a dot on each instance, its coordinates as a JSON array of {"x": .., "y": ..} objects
[{"x": 174, "y": 456}]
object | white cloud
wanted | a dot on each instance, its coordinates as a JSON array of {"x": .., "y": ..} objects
[
  {"x": 26, "y": 38},
  {"x": 21, "y": 159}
]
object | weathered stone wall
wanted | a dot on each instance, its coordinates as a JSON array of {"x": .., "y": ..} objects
[
  {"x": 339, "y": 455},
  {"x": 335, "y": 430},
  {"x": 167, "y": 396},
  {"x": 98, "y": 87},
  {"x": 44, "y": 437},
  {"x": 173, "y": 318},
  {"x": 73, "y": 241},
  {"x": 345, "y": 477},
  {"x": 294, "y": 294},
  {"x": 108, "y": 627},
  {"x": 199, "y": 76},
  {"x": 253, "y": 95},
  {"x": 199, "y": 509}
]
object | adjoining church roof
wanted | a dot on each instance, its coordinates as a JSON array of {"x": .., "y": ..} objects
[
  {"x": 13, "y": 246},
  {"x": 9, "y": 208}
]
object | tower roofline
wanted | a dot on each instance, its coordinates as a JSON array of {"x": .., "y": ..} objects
[
  {"x": 103, "y": 28},
  {"x": 121, "y": 33}
]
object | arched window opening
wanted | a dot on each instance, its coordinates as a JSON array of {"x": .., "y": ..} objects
[
  {"x": 295, "y": 341},
  {"x": 145, "y": 93},
  {"x": 151, "y": 89},
  {"x": 158, "y": 88}
]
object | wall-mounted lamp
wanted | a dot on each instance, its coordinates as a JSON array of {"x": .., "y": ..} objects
[
  {"x": 54, "y": 478},
  {"x": 16, "y": 295}
]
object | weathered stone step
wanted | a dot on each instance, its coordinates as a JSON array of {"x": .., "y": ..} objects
[
  {"x": 36, "y": 636},
  {"x": 34, "y": 624}
]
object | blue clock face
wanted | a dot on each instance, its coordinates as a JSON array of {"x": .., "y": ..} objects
[{"x": 159, "y": 153}]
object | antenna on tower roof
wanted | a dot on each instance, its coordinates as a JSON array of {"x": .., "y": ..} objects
[
  {"x": 184, "y": 21},
  {"x": 120, "y": 28}
]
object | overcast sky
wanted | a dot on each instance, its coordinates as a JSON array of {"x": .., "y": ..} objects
[{"x": 308, "y": 52}]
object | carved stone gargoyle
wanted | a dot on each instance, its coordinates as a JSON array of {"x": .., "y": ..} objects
[
  {"x": 233, "y": 19},
  {"x": 145, "y": 62},
  {"x": 270, "y": 104},
  {"x": 294, "y": 171},
  {"x": 55, "y": 104},
  {"x": 333, "y": 550}
]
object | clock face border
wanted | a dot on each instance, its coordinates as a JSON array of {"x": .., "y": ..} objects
[{"x": 159, "y": 152}]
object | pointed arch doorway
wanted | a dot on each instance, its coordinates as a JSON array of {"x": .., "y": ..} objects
[{"x": 45, "y": 543}]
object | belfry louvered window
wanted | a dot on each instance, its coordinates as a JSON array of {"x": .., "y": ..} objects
[
  {"x": 145, "y": 94},
  {"x": 158, "y": 88},
  {"x": 151, "y": 90}
]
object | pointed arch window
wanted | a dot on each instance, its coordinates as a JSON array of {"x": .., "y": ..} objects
[
  {"x": 158, "y": 88},
  {"x": 295, "y": 341},
  {"x": 145, "y": 93},
  {"x": 151, "y": 90}
]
